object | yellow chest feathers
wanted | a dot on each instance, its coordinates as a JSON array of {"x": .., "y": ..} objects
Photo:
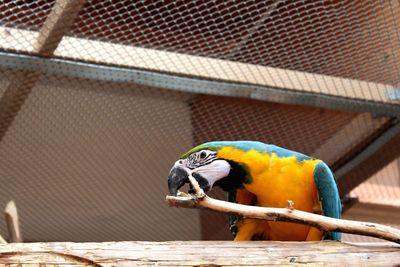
[{"x": 275, "y": 180}]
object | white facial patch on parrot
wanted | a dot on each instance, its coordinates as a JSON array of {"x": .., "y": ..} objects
[
  {"x": 214, "y": 171},
  {"x": 182, "y": 164},
  {"x": 206, "y": 164}
]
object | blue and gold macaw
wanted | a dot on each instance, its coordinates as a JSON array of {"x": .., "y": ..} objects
[{"x": 255, "y": 173}]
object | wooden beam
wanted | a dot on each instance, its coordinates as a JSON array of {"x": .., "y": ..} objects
[
  {"x": 56, "y": 25},
  {"x": 199, "y": 253},
  {"x": 217, "y": 69},
  {"x": 14, "y": 97},
  {"x": 200, "y": 67}
]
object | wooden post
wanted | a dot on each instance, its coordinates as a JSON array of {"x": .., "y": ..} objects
[
  {"x": 12, "y": 221},
  {"x": 199, "y": 253}
]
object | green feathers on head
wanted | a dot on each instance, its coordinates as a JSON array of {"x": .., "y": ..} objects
[{"x": 205, "y": 146}]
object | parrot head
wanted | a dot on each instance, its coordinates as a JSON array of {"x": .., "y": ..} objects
[{"x": 209, "y": 169}]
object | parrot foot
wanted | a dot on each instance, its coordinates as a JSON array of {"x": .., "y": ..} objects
[{"x": 182, "y": 194}]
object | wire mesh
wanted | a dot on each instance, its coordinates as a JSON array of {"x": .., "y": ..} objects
[
  {"x": 352, "y": 39},
  {"x": 380, "y": 193},
  {"x": 383, "y": 187},
  {"x": 349, "y": 39},
  {"x": 87, "y": 160},
  {"x": 28, "y": 15}
]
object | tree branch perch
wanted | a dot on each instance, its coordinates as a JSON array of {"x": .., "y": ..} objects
[{"x": 289, "y": 214}]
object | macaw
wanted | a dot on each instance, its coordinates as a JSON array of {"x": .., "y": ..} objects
[{"x": 254, "y": 173}]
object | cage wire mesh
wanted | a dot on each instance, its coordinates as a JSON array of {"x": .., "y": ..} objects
[{"x": 87, "y": 159}]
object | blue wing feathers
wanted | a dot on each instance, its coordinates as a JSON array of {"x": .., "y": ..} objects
[{"x": 328, "y": 194}]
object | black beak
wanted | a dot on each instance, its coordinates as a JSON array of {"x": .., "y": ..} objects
[{"x": 176, "y": 179}]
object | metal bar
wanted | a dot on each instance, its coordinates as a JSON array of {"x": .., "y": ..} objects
[{"x": 192, "y": 85}]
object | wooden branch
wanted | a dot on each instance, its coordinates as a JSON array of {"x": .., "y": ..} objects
[
  {"x": 288, "y": 214},
  {"x": 199, "y": 253},
  {"x": 12, "y": 222}
]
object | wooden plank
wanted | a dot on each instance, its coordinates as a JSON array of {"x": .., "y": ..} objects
[
  {"x": 201, "y": 67},
  {"x": 199, "y": 253},
  {"x": 48, "y": 38},
  {"x": 217, "y": 69}
]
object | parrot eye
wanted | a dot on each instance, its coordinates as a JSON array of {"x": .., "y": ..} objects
[
  {"x": 203, "y": 154},
  {"x": 200, "y": 158}
]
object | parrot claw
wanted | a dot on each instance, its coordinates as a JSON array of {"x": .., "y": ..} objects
[
  {"x": 182, "y": 194},
  {"x": 290, "y": 204}
]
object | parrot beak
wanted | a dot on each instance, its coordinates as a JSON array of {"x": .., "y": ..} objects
[{"x": 176, "y": 179}]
